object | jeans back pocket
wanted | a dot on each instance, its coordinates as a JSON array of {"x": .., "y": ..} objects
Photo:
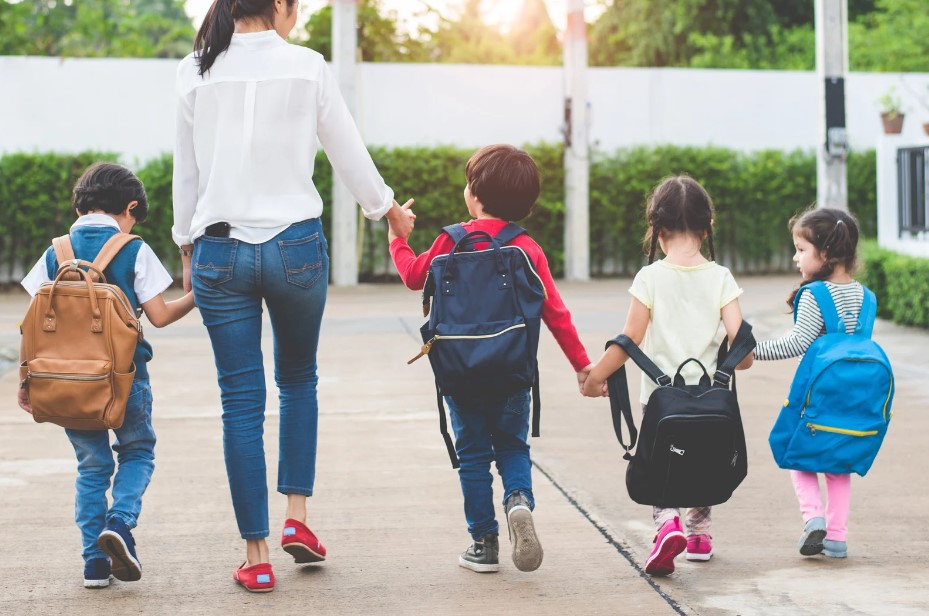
[
  {"x": 303, "y": 260},
  {"x": 214, "y": 260}
]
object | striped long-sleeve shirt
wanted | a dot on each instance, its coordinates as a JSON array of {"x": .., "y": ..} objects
[{"x": 810, "y": 325}]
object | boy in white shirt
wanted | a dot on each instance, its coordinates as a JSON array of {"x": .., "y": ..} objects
[{"x": 110, "y": 199}]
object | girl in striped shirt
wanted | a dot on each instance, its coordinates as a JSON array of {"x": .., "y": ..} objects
[{"x": 826, "y": 241}]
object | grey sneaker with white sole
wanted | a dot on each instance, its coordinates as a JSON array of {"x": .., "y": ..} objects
[
  {"x": 811, "y": 541},
  {"x": 527, "y": 551}
]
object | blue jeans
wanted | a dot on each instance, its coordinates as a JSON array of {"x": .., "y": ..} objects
[
  {"x": 135, "y": 462},
  {"x": 491, "y": 429},
  {"x": 230, "y": 279}
]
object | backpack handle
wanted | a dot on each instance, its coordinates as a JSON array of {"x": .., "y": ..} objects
[
  {"x": 448, "y": 272},
  {"x": 679, "y": 379},
  {"x": 74, "y": 267}
]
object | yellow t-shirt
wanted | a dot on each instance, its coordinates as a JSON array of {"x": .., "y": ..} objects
[{"x": 684, "y": 304}]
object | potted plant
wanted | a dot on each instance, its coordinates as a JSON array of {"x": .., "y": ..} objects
[{"x": 891, "y": 112}]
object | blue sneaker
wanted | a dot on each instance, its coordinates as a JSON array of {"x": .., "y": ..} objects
[
  {"x": 811, "y": 541},
  {"x": 835, "y": 549},
  {"x": 117, "y": 542},
  {"x": 97, "y": 573}
]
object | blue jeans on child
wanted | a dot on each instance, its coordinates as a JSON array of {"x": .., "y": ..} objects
[
  {"x": 489, "y": 429},
  {"x": 135, "y": 462},
  {"x": 230, "y": 279}
]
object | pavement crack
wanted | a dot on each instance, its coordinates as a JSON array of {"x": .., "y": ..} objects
[{"x": 622, "y": 549}]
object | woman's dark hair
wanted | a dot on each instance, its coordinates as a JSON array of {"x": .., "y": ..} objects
[
  {"x": 505, "y": 180},
  {"x": 109, "y": 187},
  {"x": 834, "y": 235},
  {"x": 678, "y": 204},
  {"x": 215, "y": 33}
]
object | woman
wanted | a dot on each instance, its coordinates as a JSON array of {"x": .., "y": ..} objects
[{"x": 246, "y": 219}]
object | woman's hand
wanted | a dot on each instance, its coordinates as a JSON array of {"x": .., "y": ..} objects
[{"x": 400, "y": 221}]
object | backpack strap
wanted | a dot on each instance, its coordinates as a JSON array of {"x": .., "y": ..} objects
[
  {"x": 868, "y": 313},
  {"x": 641, "y": 359},
  {"x": 508, "y": 233},
  {"x": 443, "y": 428},
  {"x": 833, "y": 323},
  {"x": 456, "y": 231},
  {"x": 621, "y": 409},
  {"x": 111, "y": 249},
  {"x": 64, "y": 252},
  {"x": 730, "y": 356},
  {"x": 618, "y": 388}
]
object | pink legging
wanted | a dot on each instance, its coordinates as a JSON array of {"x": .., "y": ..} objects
[{"x": 838, "y": 498}]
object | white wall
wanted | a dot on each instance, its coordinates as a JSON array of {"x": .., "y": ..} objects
[
  {"x": 126, "y": 105},
  {"x": 888, "y": 234}
]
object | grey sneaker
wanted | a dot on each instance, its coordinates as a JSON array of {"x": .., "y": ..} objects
[
  {"x": 811, "y": 541},
  {"x": 527, "y": 551},
  {"x": 835, "y": 549},
  {"x": 482, "y": 556}
]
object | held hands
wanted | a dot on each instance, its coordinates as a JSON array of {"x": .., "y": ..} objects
[
  {"x": 400, "y": 221},
  {"x": 582, "y": 375}
]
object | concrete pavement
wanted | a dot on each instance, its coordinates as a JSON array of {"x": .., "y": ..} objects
[{"x": 388, "y": 506}]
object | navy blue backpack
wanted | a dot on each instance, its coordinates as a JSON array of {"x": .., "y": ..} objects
[
  {"x": 838, "y": 409},
  {"x": 483, "y": 329}
]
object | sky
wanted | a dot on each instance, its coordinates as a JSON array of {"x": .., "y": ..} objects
[{"x": 496, "y": 11}]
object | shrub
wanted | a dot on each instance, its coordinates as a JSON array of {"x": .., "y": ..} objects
[
  {"x": 900, "y": 282},
  {"x": 754, "y": 193}
]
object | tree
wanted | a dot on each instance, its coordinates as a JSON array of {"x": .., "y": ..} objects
[
  {"x": 895, "y": 37},
  {"x": 379, "y": 35},
  {"x": 96, "y": 28},
  {"x": 533, "y": 36}
]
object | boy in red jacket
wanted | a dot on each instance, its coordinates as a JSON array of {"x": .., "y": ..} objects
[{"x": 503, "y": 186}]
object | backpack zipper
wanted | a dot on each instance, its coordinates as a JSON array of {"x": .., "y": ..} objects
[
  {"x": 66, "y": 377},
  {"x": 428, "y": 346},
  {"x": 127, "y": 307},
  {"x": 809, "y": 392},
  {"x": 525, "y": 256},
  {"x": 814, "y": 427}
]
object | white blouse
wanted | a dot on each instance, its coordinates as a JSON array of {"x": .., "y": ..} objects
[{"x": 247, "y": 139}]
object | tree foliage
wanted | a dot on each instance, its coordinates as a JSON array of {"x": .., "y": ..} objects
[{"x": 95, "y": 28}]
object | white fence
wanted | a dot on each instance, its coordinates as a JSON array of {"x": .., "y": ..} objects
[{"x": 127, "y": 106}]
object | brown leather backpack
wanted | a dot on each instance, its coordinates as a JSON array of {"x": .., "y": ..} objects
[{"x": 79, "y": 338}]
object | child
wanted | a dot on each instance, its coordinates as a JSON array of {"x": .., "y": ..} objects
[
  {"x": 826, "y": 241},
  {"x": 680, "y": 300},
  {"x": 109, "y": 199},
  {"x": 503, "y": 184}
]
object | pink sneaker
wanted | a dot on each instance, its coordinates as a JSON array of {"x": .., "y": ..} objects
[
  {"x": 699, "y": 547},
  {"x": 669, "y": 542}
]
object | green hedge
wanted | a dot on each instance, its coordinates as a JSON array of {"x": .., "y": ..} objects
[
  {"x": 755, "y": 194},
  {"x": 900, "y": 282}
]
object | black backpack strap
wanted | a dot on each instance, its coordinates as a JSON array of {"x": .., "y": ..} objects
[
  {"x": 621, "y": 409},
  {"x": 457, "y": 232},
  {"x": 443, "y": 428},
  {"x": 730, "y": 357},
  {"x": 508, "y": 233},
  {"x": 641, "y": 359},
  {"x": 536, "y": 403}
]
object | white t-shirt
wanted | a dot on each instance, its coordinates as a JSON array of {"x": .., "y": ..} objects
[
  {"x": 151, "y": 277},
  {"x": 246, "y": 141},
  {"x": 684, "y": 303}
]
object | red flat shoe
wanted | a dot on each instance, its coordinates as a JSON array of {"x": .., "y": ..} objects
[
  {"x": 300, "y": 542},
  {"x": 257, "y": 578}
]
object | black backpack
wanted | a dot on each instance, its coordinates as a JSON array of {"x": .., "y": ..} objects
[
  {"x": 485, "y": 311},
  {"x": 692, "y": 447}
]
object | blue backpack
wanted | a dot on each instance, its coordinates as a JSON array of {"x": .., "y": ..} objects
[
  {"x": 838, "y": 408},
  {"x": 483, "y": 329}
]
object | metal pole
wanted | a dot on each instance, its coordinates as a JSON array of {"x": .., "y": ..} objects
[
  {"x": 344, "y": 214},
  {"x": 577, "y": 159},
  {"x": 831, "y": 68}
]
